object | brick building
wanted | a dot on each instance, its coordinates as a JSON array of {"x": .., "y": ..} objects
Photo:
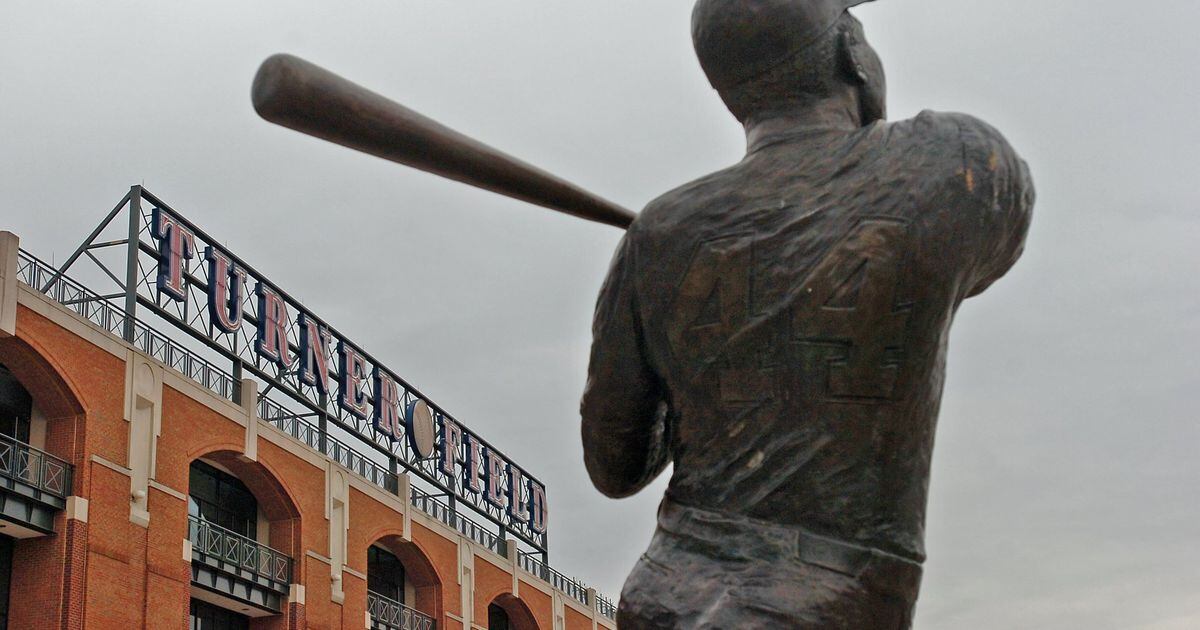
[{"x": 145, "y": 485}]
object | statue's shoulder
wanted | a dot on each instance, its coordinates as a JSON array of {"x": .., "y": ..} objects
[
  {"x": 678, "y": 209},
  {"x": 953, "y": 130},
  {"x": 950, "y": 125},
  {"x": 958, "y": 149}
]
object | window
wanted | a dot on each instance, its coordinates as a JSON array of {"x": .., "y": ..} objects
[
  {"x": 221, "y": 498},
  {"x": 16, "y": 407},
  {"x": 385, "y": 574},
  {"x": 205, "y": 616},
  {"x": 497, "y": 618}
]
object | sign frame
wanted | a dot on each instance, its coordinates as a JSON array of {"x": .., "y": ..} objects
[{"x": 262, "y": 330}]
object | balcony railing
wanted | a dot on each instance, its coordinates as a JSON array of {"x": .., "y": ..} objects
[
  {"x": 388, "y": 614},
  {"x": 42, "y": 471},
  {"x": 217, "y": 542}
]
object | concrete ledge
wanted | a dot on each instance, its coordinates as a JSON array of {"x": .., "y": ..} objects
[
  {"x": 77, "y": 509},
  {"x": 9, "y": 264}
]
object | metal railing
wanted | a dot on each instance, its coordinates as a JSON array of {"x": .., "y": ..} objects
[
  {"x": 571, "y": 587},
  {"x": 100, "y": 310},
  {"x": 389, "y": 614},
  {"x": 298, "y": 427},
  {"x": 215, "y": 541},
  {"x": 43, "y": 471},
  {"x": 290, "y": 423},
  {"x": 465, "y": 526},
  {"x": 606, "y": 607}
]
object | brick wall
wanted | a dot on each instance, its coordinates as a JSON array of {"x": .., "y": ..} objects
[{"x": 107, "y": 571}]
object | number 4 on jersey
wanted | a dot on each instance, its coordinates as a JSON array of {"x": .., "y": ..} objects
[
  {"x": 848, "y": 304},
  {"x": 845, "y": 316}
]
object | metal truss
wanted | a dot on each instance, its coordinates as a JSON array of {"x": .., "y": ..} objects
[{"x": 320, "y": 421}]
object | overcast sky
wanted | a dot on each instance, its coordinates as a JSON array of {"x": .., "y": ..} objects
[{"x": 1064, "y": 490}]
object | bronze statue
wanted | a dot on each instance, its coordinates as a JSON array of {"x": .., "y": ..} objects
[{"x": 777, "y": 330}]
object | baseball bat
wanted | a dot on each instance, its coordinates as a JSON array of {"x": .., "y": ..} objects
[{"x": 300, "y": 95}]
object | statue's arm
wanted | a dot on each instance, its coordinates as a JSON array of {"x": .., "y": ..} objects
[
  {"x": 1004, "y": 188},
  {"x": 623, "y": 422}
]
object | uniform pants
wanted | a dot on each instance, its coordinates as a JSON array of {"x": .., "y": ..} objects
[{"x": 706, "y": 570}]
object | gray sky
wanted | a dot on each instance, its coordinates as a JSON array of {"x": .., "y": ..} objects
[{"x": 1064, "y": 489}]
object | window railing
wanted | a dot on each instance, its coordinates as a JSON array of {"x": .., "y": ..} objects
[
  {"x": 43, "y": 471},
  {"x": 215, "y": 541},
  {"x": 389, "y": 614}
]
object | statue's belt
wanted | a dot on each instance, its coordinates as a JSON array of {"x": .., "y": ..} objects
[{"x": 737, "y": 538}]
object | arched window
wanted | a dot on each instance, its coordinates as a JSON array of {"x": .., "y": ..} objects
[
  {"x": 16, "y": 407},
  {"x": 35, "y": 485},
  {"x": 218, "y": 497},
  {"x": 497, "y": 618},
  {"x": 402, "y": 586},
  {"x": 385, "y": 574},
  {"x": 16, "y": 410},
  {"x": 236, "y": 574},
  {"x": 506, "y": 612}
]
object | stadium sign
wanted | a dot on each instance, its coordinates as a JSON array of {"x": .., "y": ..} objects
[{"x": 208, "y": 291}]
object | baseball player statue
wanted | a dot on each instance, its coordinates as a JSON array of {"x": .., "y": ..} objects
[{"x": 777, "y": 330}]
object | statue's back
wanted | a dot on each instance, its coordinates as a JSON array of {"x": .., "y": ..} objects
[
  {"x": 778, "y": 331},
  {"x": 796, "y": 309}
]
